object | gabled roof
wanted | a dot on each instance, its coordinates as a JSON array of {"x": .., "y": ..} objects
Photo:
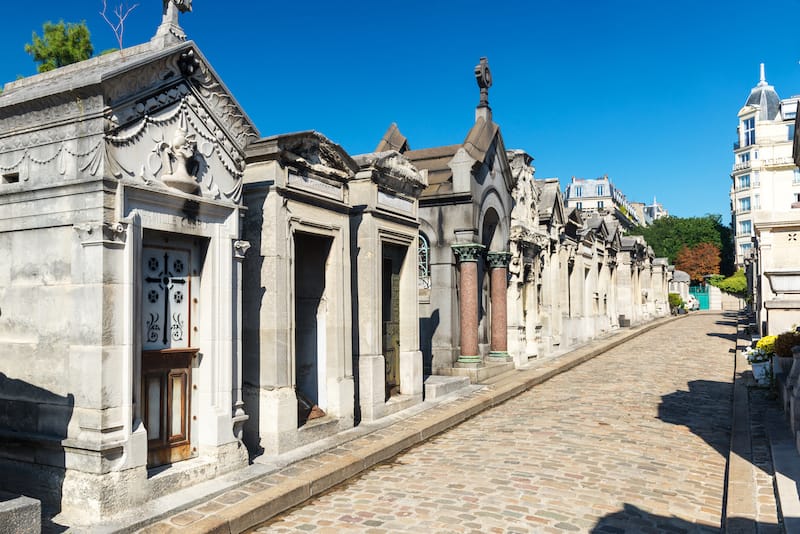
[
  {"x": 551, "y": 204},
  {"x": 393, "y": 140}
]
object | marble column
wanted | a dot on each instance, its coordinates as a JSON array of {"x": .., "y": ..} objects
[
  {"x": 498, "y": 266},
  {"x": 468, "y": 256}
]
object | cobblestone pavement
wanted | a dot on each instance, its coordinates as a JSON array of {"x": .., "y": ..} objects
[{"x": 633, "y": 441}]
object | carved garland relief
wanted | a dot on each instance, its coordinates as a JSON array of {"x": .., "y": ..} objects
[{"x": 185, "y": 136}]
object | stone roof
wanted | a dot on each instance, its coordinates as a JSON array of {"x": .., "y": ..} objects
[
  {"x": 550, "y": 192},
  {"x": 436, "y": 162},
  {"x": 765, "y": 98},
  {"x": 681, "y": 276},
  {"x": 393, "y": 140}
]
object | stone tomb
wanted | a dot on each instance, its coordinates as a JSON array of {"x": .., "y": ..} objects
[
  {"x": 120, "y": 279},
  {"x": 298, "y": 318},
  {"x": 384, "y": 238}
]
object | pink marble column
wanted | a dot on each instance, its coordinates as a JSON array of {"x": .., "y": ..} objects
[
  {"x": 498, "y": 265},
  {"x": 468, "y": 256}
]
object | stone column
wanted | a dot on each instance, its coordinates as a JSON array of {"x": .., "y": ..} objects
[
  {"x": 498, "y": 265},
  {"x": 468, "y": 256}
]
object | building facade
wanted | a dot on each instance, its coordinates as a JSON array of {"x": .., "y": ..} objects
[
  {"x": 765, "y": 178},
  {"x": 599, "y": 195}
]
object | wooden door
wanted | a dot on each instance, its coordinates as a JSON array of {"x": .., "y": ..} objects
[{"x": 167, "y": 353}]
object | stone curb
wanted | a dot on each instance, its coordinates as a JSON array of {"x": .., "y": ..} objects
[
  {"x": 367, "y": 451},
  {"x": 740, "y": 515}
]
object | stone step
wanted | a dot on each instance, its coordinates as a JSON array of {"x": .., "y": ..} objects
[
  {"x": 478, "y": 375},
  {"x": 19, "y": 514},
  {"x": 437, "y": 386}
]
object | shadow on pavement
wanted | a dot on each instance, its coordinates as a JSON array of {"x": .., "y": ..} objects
[
  {"x": 729, "y": 337},
  {"x": 633, "y": 519},
  {"x": 704, "y": 409}
]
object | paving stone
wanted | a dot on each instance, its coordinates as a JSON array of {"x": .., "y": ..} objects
[{"x": 634, "y": 440}]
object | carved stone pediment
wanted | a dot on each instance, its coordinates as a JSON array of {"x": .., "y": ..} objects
[
  {"x": 314, "y": 152},
  {"x": 110, "y": 118},
  {"x": 394, "y": 171}
]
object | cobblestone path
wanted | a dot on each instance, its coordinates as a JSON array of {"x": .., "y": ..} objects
[{"x": 633, "y": 441}]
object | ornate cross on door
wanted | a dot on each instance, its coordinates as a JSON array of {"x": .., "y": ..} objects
[{"x": 166, "y": 304}]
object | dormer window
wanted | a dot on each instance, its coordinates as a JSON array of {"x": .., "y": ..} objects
[
  {"x": 599, "y": 190},
  {"x": 749, "y": 131},
  {"x": 578, "y": 190}
]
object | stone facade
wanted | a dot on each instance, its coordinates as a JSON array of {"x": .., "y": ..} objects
[{"x": 121, "y": 279}]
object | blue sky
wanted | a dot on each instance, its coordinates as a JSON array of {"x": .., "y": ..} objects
[{"x": 646, "y": 92}]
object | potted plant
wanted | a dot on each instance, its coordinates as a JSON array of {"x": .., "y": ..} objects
[{"x": 760, "y": 361}]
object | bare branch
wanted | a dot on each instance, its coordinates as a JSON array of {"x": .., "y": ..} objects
[{"x": 121, "y": 13}]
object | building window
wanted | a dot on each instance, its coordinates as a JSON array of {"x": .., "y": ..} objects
[
  {"x": 744, "y": 158},
  {"x": 577, "y": 190},
  {"x": 745, "y": 228},
  {"x": 796, "y": 177},
  {"x": 791, "y": 132},
  {"x": 744, "y": 204},
  {"x": 756, "y": 202},
  {"x": 424, "y": 263},
  {"x": 599, "y": 204},
  {"x": 600, "y": 191},
  {"x": 797, "y": 197},
  {"x": 745, "y": 247},
  {"x": 749, "y": 131},
  {"x": 744, "y": 181},
  {"x": 579, "y": 205}
]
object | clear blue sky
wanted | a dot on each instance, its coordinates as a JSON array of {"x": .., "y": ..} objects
[{"x": 646, "y": 92}]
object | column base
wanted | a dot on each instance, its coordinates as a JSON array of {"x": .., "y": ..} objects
[
  {"x": 469, "y": 361},
  {"x": 499, "y": 356}
]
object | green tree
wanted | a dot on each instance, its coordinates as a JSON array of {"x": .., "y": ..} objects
[
  {"x": 736, "y": 284},
  {"x": 669, "y": 235},
  {"x": 60, "y": 44}
]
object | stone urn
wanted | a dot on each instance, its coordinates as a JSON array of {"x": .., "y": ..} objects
[{"x": 761, "y": 372}]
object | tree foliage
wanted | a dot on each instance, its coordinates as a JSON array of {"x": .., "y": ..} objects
[
  {"x": 60, "y": 44},
  {"x": 736, "y": 284},
  {"x": 699, "y": 260},
  {"x": 669, "y": 235}
]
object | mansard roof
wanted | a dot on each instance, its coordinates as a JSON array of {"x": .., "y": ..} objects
[{"x": 764, "y": 98}]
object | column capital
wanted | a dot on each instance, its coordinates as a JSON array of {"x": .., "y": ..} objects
[
  {"x": 468, "y": 252},
  {"x": 497, "y": 260}
]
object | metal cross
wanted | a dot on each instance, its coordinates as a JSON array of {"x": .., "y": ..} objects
[{"x": 166, "y": 282}]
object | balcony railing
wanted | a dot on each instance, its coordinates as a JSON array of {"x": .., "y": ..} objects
[
  {"x": 741, "y": 166},
  {"x": 779, "y": 162}
]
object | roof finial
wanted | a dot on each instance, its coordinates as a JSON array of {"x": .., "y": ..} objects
[
  {"x": 762, "y": 80},
  {"x": 484, "y": 78},
  {"x": 170, "y": 29}
]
